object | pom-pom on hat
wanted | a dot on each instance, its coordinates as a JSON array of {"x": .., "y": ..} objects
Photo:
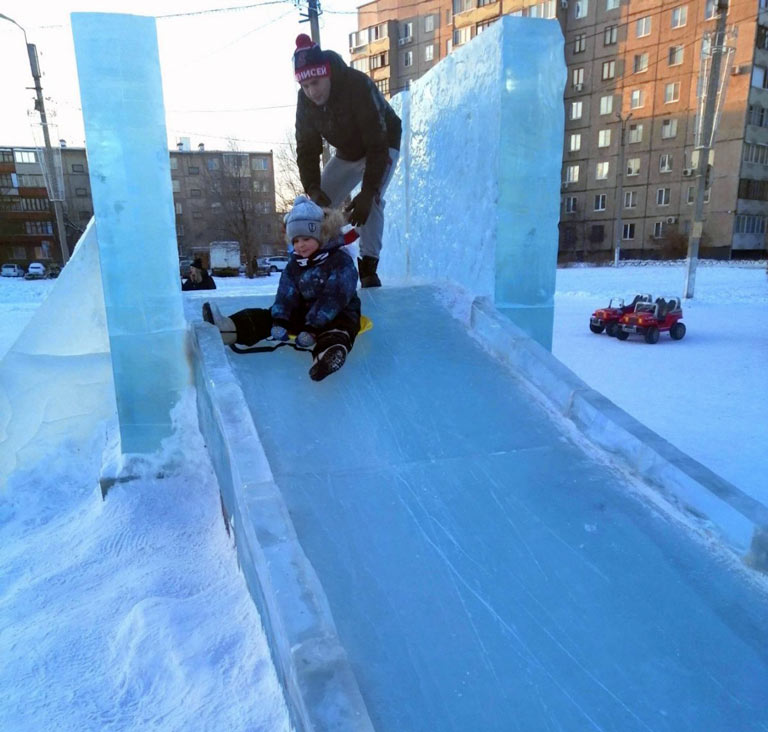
[
  {"x": 309, "y": 61},
  {"x": 304, "y": 219}
]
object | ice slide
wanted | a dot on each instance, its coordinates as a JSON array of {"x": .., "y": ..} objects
[{"x": 483, "y": 572}]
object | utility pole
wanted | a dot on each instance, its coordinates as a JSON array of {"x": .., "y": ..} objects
[
  {"x": 706, "y": 141},
  {"x": 619, "y": 203},
  {"x": 49, "y": 157}
]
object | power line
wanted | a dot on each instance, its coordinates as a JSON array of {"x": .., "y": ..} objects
[{"x": 232, "y": 9}]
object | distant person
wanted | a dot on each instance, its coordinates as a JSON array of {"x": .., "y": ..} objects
[
  {"x": 198, "y": 278},
  {"x": 316, "y": 297},
  {"x": 344, "y": 107}
]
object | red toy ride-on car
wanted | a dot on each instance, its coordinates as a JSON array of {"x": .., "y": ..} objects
[
  {"x": 650, "y": 319},
  {"x": 607, "y": 319}
]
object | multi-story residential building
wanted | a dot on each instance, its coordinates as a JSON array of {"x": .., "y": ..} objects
[
  {"x": 27, "y": 219},
  {"x": 217, "y": 195},
  {"x": 638, "y": 58}
]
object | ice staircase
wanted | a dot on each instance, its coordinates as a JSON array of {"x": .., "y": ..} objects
[{"x": 432, "y": 550}]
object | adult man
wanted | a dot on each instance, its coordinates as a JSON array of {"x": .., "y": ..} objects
[{"x": 343, "y": 106}]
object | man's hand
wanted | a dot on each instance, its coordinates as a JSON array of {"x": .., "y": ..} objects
[
  {"x": 360, "y": 208},
  {"x": 278, "y": 333},
  {"x": 305, "y": 339},
  {"x": 319, "y": 196}
]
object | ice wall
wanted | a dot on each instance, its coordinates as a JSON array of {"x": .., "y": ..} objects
[
  {"x": 55, "y": 381},
  {"x": 476, "y": 196},
  {"x": 121, "y": 92}
]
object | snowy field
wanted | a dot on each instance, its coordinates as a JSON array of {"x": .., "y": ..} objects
[{"x": 130, "y": 614}]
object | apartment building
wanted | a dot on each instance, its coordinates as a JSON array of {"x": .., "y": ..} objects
[
  {"x": 217, "y": 195},
  {"x": 633, "y": 75}
]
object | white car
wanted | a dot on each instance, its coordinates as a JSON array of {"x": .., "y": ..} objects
[
  {"x": 36, "y": 271},
  {"x": 12, "y": 270},
  {"x": 275, "y": 264}
]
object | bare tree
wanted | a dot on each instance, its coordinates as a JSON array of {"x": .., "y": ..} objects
[
  {"x": 245, "y": 210},
  {"x": 287, "y": 182}
]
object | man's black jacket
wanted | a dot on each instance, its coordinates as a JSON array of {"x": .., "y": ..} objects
[{"x": 356, "y": 120}]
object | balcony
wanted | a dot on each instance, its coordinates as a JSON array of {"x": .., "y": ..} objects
[{"x": 473, "y": 13}]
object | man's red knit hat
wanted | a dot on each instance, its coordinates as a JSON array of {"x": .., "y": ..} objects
[{"x": 309, "y": 61}]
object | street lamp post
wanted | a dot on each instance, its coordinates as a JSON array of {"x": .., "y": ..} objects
[
  {"x": 40, "y": 107},
  {"x": 618, "y": 202}
]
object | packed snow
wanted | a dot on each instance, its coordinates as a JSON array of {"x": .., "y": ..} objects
[{"x": 130, "y": 613}]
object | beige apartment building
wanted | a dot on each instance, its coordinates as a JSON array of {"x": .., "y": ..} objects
[{"x": 633, "y": 66}]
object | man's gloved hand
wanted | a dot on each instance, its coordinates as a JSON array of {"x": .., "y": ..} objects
[
  {"x": 360, "y": 208},
  {"x": 278, "y": 333},
  {"x": 319, "y": 196},
  {"x": 305, "y": 339}
]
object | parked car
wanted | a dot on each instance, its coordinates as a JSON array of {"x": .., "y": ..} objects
[
  {"x": 652, "y": 318},
  {"x": 277, "y": 263},
  {"x": 12, "y": 270},
  {"x": 36, "y": 271},
  {"x": 607, "y": 319}
]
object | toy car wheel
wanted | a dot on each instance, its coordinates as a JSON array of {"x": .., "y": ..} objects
[
  {"x": 677, "y": 331},
  {"x": 596, "y": 328},
  {"x": 622, "y": 335},
  {"x": 652, "y": 334},
  {"x": 611, "y": 329}
]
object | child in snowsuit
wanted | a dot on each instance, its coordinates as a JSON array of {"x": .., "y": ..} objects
[{"x": 316, "y": 298}]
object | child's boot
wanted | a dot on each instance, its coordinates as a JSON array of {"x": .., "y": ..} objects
[
  {"x": 226, "y": 326},
  {"x": 330, "y": 360},
  {"x": 366, "y": 267}
]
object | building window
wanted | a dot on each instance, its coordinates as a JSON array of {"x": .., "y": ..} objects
[
  {"x": 753, "y": 153},
  {"x": 212, "y": 164},
  {"x": 636, "y": 133},
  {"x": 662, "y": 196},
  {"x": 581, "y": 9},
  {"x": 675, "y": 55},
  {"x": 6, "y": 181},
  {"x": 576, "y": 110},
  {"x": 571, "y": 173},
  {"x": 580, "y": 43},
  {"x": 429, "y": 52},
  {"x": 690, "y": 196},
  {"x": 606, "y": 104},
  {"x": 680, "y": 16},
  {"x": 574, "y": 143},
  {"x": 78, "y": 168},
  {"x": 429, "y": 23},
  {"x": 174, "y": 163},
  {"x": 633, "y": 166},
  {"x": 665, "y": 163},
  {"x": 597, "y": 233},
  {"x": 406, "y": 32},
  {"x": 609, "y": 70},
  {"x": 383, "y": 86},
  {"x": 636, "y": 99},
  {"x": 578, "y": 77},
  {"x": 34, "y": 204},
  {"x": 362, "y": 64},
  {"x": 630, "y": 199},
  {"x": 570, "y": 204},
  {"x": 759, "y": 77},
  {"x": 672, "y": 92},
  {"x": 32, "y": 181},
  {"x": 600, "y": 200},
  {"x": 604, "y": 138},
  {"x": 81, "y": 192},
  {"x": 640, "y": 63},
  {"x": 710, "y": 9},
  {"x": 601, "y": 170},
  {"x": 610, "y": 35},
  {"x": 176, "y": 186},
  {"x": 38, "y": 227},
  {"x": 628, "y": 232},
  {"x": 611, "y": 4},
  {"x": 259, "y": 164},
  {"x": 193, "y": 170},
  {"x": 749, "y": 224},
  {"x": 643, "y": 27},
  {"x": 178, "y": 208},
  {"x": 6, "y": 156},
  {"x": 480, "y": 27},
  {"x": 669, "y": 129},
  {"x": 197, "y": 214},
  {"x": 658, "y": 229},
  {"x": 25, "y": 156},
  {"x": 408, "y": 58}
]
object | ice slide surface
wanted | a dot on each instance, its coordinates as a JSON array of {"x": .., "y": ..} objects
[{"x": 483, "y": 572}]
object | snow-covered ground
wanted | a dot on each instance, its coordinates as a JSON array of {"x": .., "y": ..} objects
[{"x": 130, "y": 614}]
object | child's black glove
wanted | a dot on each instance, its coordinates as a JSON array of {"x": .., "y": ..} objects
[
  {"x": 360, "y": 208},
  {"x": 319, "y": 196}
]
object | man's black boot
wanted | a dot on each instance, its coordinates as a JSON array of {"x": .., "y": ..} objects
[{"x": 366, "y": 267}]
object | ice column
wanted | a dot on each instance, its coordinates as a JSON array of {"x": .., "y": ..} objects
[{"x": 121, "y": 93}]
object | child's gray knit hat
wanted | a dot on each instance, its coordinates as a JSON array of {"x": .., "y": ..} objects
[{"x": 304, "y": 219}]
